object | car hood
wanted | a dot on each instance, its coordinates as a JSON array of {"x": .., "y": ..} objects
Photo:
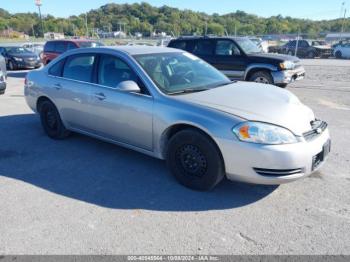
[
  {"x": 323, "y": 47},
  {"x": 257, "y": 102},
  {"x": 276, "y": 56}
]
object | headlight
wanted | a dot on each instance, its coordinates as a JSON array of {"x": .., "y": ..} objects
[
  {"x": 287, "y": 65},
  {"x": 261, "y": 133},
  {"x": 18, "y": 59}
]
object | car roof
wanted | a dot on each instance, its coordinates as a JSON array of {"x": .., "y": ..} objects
[
  {"x": 181, "y": 38},
  {"x": 143, "y": 50}
]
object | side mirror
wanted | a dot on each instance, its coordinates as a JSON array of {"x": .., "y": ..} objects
[{"x": 129, "y": 86}]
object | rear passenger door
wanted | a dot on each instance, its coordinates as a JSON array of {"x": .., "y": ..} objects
[
  {"x": 71, "y": 86},
  {"x": 204, "y": 48}
]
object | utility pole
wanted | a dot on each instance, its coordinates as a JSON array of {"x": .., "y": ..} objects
[
  {"x": 343, "y": 25},
  {"x": 86, "y": 25},
  {"x": 39, "y": 4}
]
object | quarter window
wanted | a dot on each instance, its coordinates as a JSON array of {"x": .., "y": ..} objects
[
  {"x": 79, "y": 67},
  {"x": 179, "y": 45},
  {"x": 113, "y": 71}
]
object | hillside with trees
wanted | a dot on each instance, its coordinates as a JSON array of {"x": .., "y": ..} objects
[{"x": 145, "y": 18}]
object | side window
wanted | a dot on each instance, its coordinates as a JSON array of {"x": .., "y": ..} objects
[
  {"x": 204, "y": 47},
  {"x": 71, "y": 46},
  {"x": 60, "y": 47},
  {"x": 113, "y": 70},
  {"x": 79, "y": 67},
  {"x": 2, "y": 51},
  {"x": 226, "y": 48},
  {"x": 292, "y": 44},
  {"x": 178, "y": 45},
  {"x": 303, "y": 44},
  {"x": 56, "y": 69},
  {"x": 50, "y": 47}
]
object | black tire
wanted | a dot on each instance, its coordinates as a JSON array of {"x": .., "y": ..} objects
[
  {"x": 11, "y": 66},
  {"x": 282, "y": 85},
  {"x": 194, "y": 160},
  {"x": 263, "y": 77},
  {"x": 51, "y": 121},
  {"x": 338, "y": 54},
  {"x": 311, "y": 55}
]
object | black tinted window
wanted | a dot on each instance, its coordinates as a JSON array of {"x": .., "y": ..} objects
[
  {"x": 112, "y": 71},
  {"x": 178, "y": 45},
  {"x": 203, "y": 47},
  {"x": 50, "y": 47},
  {"x": 71, "y": 46},
  {"x": 79, "y": 67},
  {"x": 60, "y": 47},
  {"x": 56, "y": 69}
]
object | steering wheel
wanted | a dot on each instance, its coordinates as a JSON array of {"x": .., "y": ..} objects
[{"x": 188, "y": 77}]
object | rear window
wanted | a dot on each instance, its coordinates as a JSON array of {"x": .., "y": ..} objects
[
  {"x": 50, "y": 47},
  {"x": 178, "y": 44},
  {"x": 89, "y": 44}
]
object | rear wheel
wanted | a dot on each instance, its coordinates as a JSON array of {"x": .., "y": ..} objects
[
  {"x": 194, "y": 160},
  {"x": 51, "y": 121},
  {"x": 338, "y": 54},
  {"x": 262, "y": 77}
]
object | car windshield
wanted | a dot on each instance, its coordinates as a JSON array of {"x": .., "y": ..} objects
[
  {"x": 90, "y": 44},
  {"x": 17, "y": 50},
  {"x": 176, "y": 73},
  {"x": 248, "y": 46}
]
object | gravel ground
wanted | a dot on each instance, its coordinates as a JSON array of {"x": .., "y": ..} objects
[{"x": 83, "y": 196}]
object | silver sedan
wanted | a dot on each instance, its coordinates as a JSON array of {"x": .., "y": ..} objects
[{"x": 172, "y": 105}]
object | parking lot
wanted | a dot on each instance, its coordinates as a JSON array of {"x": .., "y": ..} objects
[{"x": 83, "y": 196}]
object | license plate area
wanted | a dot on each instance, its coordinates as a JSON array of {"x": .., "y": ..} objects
[{"x": 321, "y": 157}]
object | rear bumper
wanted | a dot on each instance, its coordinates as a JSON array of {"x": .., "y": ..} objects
[
  {"x": 288, "y": 76},
  {"x": 270, "y": 165}
]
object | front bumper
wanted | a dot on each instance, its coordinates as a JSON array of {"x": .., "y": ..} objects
[
  {"x": 243, "y": 161},
  {"x": 28, "y": 64},
  {"x": 2, "y": 87},
  {"x": 288, "y": 76}
]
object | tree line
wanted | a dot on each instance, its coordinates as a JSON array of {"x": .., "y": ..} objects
[{"x": 144, "y": 18}]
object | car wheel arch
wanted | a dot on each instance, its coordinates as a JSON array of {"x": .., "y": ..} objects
[
  {"x": 176, "y": 128},
  {"x": 253, "y": 69},
  {"x": 41, "y": 100}
]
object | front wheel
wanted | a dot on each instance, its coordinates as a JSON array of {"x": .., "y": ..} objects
[
  {"x": 262, "y": 77},
  {"x": 338, "y": 54},
  {"x": 194, "y": 160},
  {"x": 51, "y": 121}
]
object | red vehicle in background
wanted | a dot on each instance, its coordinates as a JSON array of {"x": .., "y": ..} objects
[{"x": 54, "y": 48}]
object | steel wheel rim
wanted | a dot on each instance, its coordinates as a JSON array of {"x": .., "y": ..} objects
[
  {"x": 191, "y": 160},
  {"x": 262, "y": 80}
]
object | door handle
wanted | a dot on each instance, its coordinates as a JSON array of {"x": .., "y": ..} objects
[
  {"x": 58, "y": 86},
  {"x": 100, "y": 96}
]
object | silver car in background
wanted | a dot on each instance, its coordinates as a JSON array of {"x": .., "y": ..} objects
[
  {"x": 171, "y": 105},
  {"x": 3, "y": 75}
]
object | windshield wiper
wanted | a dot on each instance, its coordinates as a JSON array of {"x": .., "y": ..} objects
[{"x": 188, "y": 91}]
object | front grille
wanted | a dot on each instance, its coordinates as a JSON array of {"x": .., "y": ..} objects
[
  {"x": 278, "y": 172},
  {"x": 318, "y": 127}
]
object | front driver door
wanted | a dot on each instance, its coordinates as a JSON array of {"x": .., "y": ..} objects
[{"x": 119, "y": 115}]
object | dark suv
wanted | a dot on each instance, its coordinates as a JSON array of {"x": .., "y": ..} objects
[
  {"x": 240, "y": 59},
  {"x": 54, "y": 48}
]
